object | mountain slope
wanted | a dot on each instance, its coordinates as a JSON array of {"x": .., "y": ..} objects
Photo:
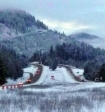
[
  {"x": 16, "y": 22},
  {"x": 30, "y": 42},
  {"x": 26, "y": 34},
  {"x": 23, "y": 33}
]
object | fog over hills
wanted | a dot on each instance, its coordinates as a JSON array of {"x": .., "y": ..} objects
[
  {"x": 81, "y": 36},
  {"x": 90, "y": 39}
]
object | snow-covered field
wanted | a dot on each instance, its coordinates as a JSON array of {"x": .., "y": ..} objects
[
  {"x": 82, "y": 100},
  {"x": 60, "y": 93}
]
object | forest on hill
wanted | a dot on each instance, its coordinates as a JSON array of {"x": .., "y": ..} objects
[{"x": 20, "y": 21}]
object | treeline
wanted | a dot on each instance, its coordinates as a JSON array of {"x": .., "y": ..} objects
[
  {"x": 94, "y": 71},
  {"x": 79, "y": 55},
  {"x": 73, "y": 54},
  {"x": 20, "y": 21},
  {"x": 11, "y": 64}
]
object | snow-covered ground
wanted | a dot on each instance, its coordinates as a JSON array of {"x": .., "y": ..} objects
[
  {"x": 32, "y": 69},
  {"x": 60, "y": 93},
  {"x": 62, "y": 81},
  {"x": 77, "y": 71},
  {"x": 60, "y": 76},
  {"x": 64, "y": 100},
  {"x": 36, "y": 62}
]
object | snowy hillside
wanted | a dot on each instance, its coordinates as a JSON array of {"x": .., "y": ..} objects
[
  {"x": 29, "y": 42},
  {"x": 23, "y": 33}
]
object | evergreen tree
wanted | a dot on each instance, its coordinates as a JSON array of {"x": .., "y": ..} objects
[
  {"x": 3, "y": 70},
  {"x": 90, "y": 70},
  {"x": 51, "y": 52},
  {"x": 11, "y": 64},
  {"x": 54, "y": 64},
  {"x": 101, "y": 73}
]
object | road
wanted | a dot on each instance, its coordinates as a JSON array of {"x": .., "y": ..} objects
[
  {"x": 36, "y": 76},
  {"x": 71, "y": 73},
  {"x": 60, "y": 77}
]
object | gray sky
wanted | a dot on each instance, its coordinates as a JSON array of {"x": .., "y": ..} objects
[{"x": 70, "y": 16}]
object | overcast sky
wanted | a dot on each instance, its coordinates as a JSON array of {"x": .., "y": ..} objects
[{"x": 70, "y": 16}]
